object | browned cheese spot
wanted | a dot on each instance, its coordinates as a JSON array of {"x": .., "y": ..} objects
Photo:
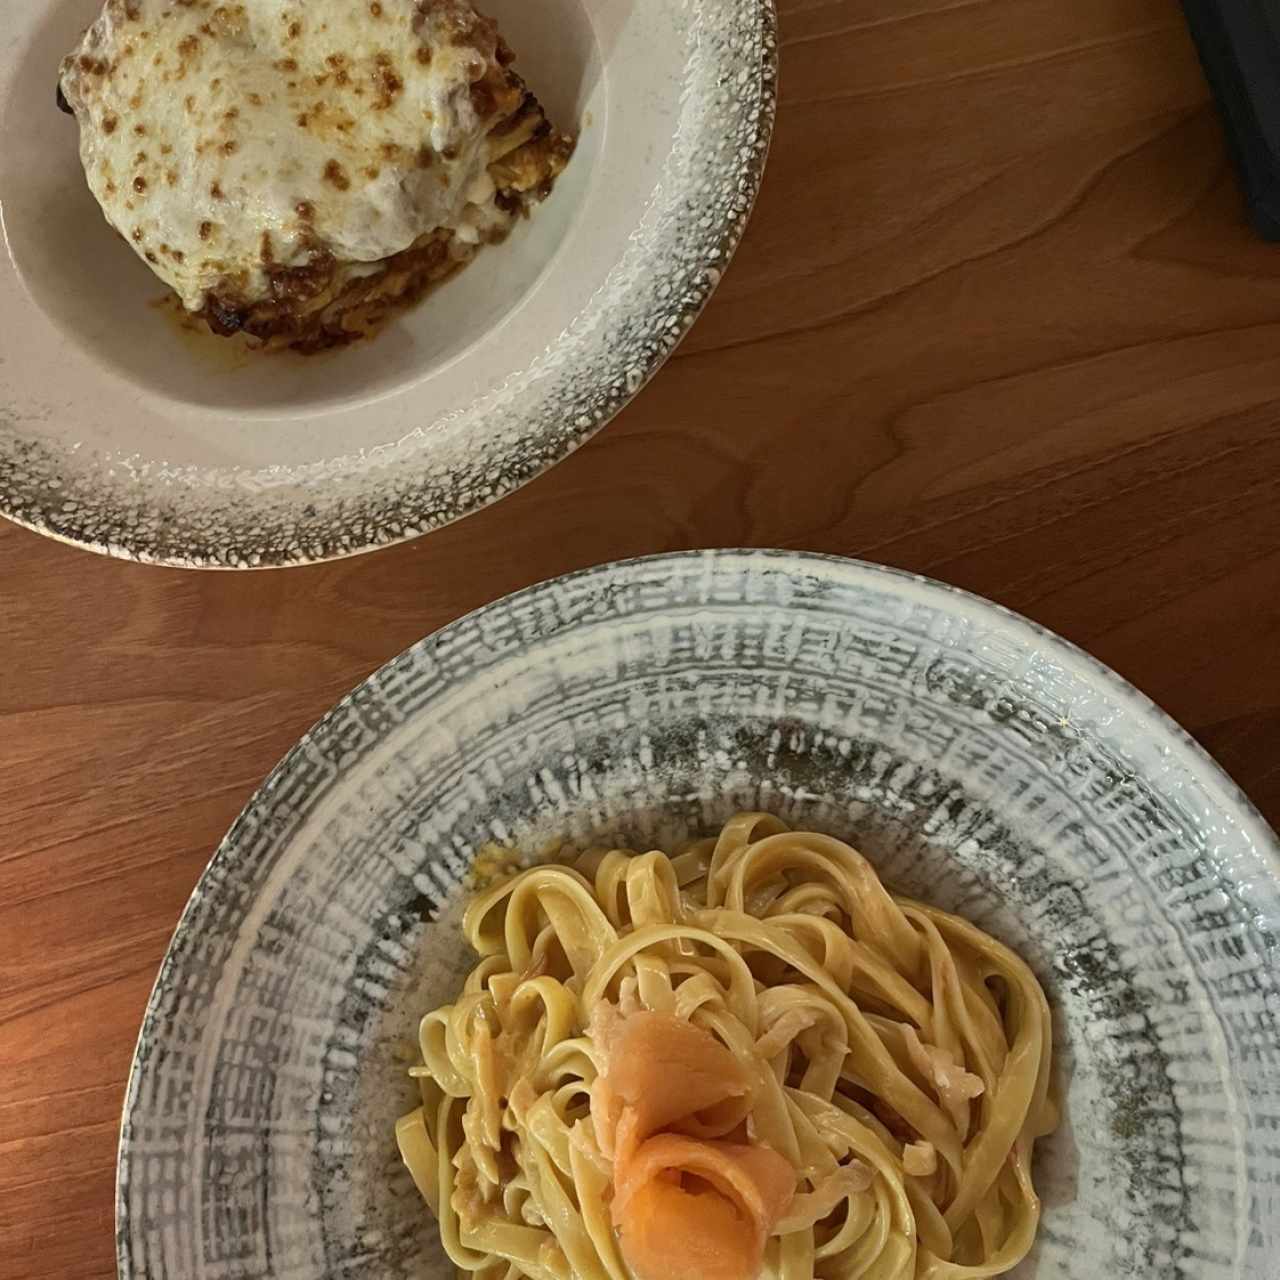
[
  {"x": 389, "y": 82},
  {"x": 338, "y": 64},
  {"x": 230, "y": 20}
]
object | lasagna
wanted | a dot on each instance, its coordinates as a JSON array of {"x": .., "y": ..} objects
[{"x": 293, "y": 169}]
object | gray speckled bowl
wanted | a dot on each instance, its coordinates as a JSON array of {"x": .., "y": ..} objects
[
  {"x": 982, "y": 763},
  {"x": 121, "y": 432}
]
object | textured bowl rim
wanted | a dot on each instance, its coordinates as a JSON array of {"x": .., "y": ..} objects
[
  {"x": 1218, "y": 784},
  {"x": 398, "y": 524}
]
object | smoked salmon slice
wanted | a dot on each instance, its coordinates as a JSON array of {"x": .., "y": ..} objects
[
  {"x": 696, "y": 1210},
  {"x": 672, "y": 1074},
  {"x": 687, "y": 1204}
]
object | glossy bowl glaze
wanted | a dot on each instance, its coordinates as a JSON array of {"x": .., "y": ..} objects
[
  {"x": 983, "y": 764},
  {"x": 123, "y": 432}
]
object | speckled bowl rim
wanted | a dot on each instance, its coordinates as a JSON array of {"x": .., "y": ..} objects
[
  {"x": 70, "y": 510},
  {"x": 1194, "y": 759}
]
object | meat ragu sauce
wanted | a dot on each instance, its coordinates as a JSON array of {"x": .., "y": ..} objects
[{"x": 348, "y": 311}]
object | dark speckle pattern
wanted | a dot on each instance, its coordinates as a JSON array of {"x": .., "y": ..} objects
[{"x": 982, "y": 764}]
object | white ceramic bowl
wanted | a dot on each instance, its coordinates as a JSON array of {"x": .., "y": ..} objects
[
  {"x": 124, "y": 433},
  {"x": 980, "y": 762}
]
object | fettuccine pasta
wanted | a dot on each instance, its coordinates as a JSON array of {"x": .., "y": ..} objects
[{"x": 746, "y": 1059}]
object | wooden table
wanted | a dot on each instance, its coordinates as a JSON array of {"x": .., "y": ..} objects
[{"x": 998, "y": 319}]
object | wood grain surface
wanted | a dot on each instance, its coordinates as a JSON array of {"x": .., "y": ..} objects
[{"x": 998, "y": 319}]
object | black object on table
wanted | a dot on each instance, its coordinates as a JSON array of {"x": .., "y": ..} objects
[{"x": 1239, "y": 43}]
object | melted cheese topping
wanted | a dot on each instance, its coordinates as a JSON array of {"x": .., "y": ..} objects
[{"x": 229, "y": 141}]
